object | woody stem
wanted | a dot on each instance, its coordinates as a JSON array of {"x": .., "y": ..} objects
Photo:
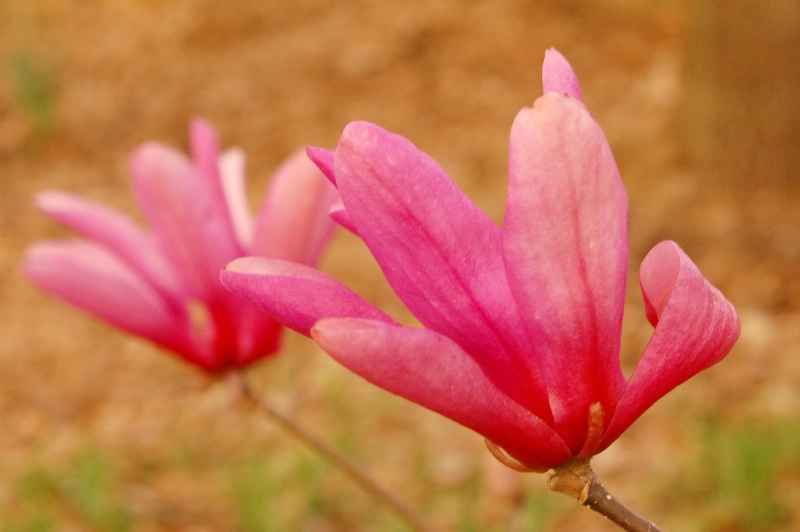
[
  {"x": 333, "y": 456},
  {"x": 577, "y": 480}
]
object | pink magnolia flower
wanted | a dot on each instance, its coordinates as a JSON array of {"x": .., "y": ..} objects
[
  {"x": 522, "y": 324},
  {"x": 163, "y": 283}
]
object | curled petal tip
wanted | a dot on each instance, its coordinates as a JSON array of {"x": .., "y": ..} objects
[
  {"x": 658, "y": 273},
  {"x": 696, "y": 327}
]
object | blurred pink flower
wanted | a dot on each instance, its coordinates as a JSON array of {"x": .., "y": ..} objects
[
  {"x": 522, "y": 325},
  {"x": 163, "y": 284}
]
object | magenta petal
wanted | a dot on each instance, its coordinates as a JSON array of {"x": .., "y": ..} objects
[
  {"x": 117, "y": 233},
  {"x": 293, "y": 294},
  {"x": 258, "y": 335},
  {"x": 293, "y": 223},
  {"x": 88, "y": 276},
  {"x": 696, "y": 328},
  {"x": 565, "y": 246},
  {"x": 339, "y": 214},
  {"x": 324, "y": 160},
  {"x": 204, "y": 144},
  {"x": 558, "y": 76},
  {"x": 438, "y": 250},
  {"x": 190, "y": 223},
  {"x": 431, "y": 370}
]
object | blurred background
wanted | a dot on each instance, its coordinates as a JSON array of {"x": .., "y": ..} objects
[{"x": 102, "y": 431}]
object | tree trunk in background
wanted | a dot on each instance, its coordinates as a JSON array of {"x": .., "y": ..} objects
[{"x": 741, "y": 120}]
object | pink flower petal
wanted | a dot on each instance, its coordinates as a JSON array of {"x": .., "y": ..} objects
[
  {"x": 293, "y": 223},
  {"x": 192, "y": 228},
  {"x": 119, "y": 234},
  {"x": 558, "y": 76},
  {"x": 232, "y": 164},
  {"x": 339, "y": 214},
  {"x": 431, "y": 370},
  {"x": 565, "y": 246},
  {"x": 200, "y": 221},
  {"x": 293, "y": 294},
  {"x": 90, "y": 277},
  {"x": 695, "y": 328},
  {"x": 204, "y": 144},
  {"x": 258, "y": 336},
  {"x": 440, "y": 253},
  {"x": 324, "y": 160}
]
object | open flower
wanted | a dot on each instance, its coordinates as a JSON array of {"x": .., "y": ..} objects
[
  {"x": 522, "y": 324},
  {"x": 163, "y": 284}
]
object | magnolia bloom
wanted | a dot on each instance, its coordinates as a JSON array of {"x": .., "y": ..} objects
[
  {"x": 163, "y": 283},
  {"x": 521, "y": 324}
]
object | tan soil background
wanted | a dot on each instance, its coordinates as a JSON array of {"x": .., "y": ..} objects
[{"x": 272, "y": 76}]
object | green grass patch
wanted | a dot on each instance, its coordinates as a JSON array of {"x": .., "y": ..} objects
[
  {"x": 85, "y": 492},
  {"x": 738, "y": 477},
  {"x": 91, "y": 489},
  {"x": 34, "y": 81}
]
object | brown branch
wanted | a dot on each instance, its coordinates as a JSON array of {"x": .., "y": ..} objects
[
  {"x": 349, "y": 467},
  {"x": 577, "y": 480}
]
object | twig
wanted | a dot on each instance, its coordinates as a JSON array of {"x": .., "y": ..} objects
[
  {"x": 332, "y": 455},
  {"x": 577, "y": 480}
]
